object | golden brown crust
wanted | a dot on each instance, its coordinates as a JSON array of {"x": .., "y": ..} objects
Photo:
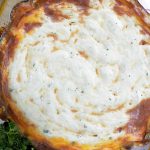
[
  {"x": 24, "y": 8},
  {"x": 29, "y": 26},
  {"x": 140, "y": 115},
  {"x": 124, "y": 7},
  {"x": 2, "y": 29},
  {"x": 10, "y": 42},
  {"x": 56, "y": 15},
  {"x": 139, "y": 118},
  {"x": 145, "y": 42}
]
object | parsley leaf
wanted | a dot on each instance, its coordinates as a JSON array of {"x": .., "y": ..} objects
[{"x": 12, "y": 139}]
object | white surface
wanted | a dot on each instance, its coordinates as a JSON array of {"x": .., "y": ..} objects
[
  {"x": 1, "y": 121},
  {"x": 146, "y": 4},
  {"x": 5, "y": 16},
  {"x": 48, "y": 86}
]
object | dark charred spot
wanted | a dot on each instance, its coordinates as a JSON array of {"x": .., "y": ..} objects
[{"x": 30, "y": 26}]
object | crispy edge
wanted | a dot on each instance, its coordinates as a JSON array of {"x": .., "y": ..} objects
[{"x": 134, "y": 9}]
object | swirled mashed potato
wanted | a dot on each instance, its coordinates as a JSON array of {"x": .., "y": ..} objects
[{"x": 76, "y": 77}]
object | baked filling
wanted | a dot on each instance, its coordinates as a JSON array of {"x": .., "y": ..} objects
[{"x": 77, "y": 72}]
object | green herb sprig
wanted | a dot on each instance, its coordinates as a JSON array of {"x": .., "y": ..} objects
[{"x": 12, "y": 139}]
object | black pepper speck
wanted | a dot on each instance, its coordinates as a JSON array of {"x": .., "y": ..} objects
[
  {"x": 73, "y": 142},
  {"x": 82, "y": 92},
  {"x": 33, "y": 65},
  {"x": 49, "y": 85},
  {"x": 11, "y": 90},
  {"x": 45, "y": 131},
  {"x": 130, "y": 103},
  {"x": 110, "y": 99}
]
